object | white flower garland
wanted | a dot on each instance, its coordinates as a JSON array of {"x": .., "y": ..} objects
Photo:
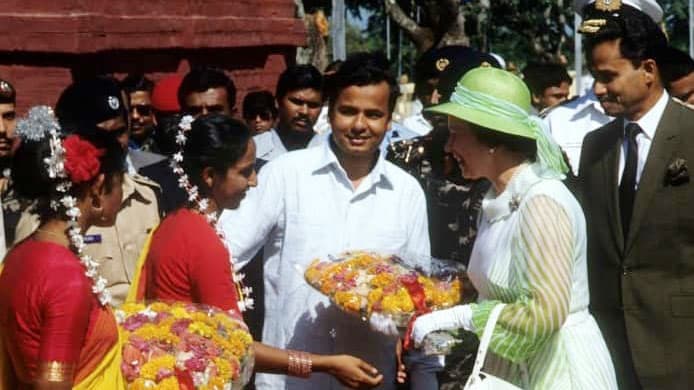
[
  {"x": 41, "y": 120},
  {"x": 245, "y": 301}
]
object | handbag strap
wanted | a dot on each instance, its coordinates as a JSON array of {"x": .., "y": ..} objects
[{"x": 486, "y": 339}]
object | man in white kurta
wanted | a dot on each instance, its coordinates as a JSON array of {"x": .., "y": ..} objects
[
  {"x": 305, "y": 200},
  {"x": 307, "y": 205}
]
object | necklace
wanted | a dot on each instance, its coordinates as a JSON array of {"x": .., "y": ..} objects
[{"x": 243, "y": 292}]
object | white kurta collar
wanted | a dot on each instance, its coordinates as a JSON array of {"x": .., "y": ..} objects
[{"x": 378, "y": 174}]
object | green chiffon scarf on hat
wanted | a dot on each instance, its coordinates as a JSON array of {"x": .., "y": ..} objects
[{"x": 500, "y": 115}]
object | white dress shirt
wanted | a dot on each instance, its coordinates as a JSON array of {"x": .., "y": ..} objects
[
  {"x": 644, "y": 139},
  {"x": 268, "y": 145},
  {"x": 305, "y": 207},
  {"x": 322, "y": 125},
  {"x": 570, "y": 122}
]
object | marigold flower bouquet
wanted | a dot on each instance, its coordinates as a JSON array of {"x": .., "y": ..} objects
[
  {"x": 184, "y": 346},
  {"x": 364, "y": 283}
]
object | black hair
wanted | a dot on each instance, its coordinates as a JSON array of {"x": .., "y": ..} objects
[
  {"x": 540, "y": 76},
  {"x": 298, "y": 77},
  {"x": 329, "y": 74},
  {"x": 259, "y": 102},
  {"x": 215, "y": 141},
  {"x": 30, "y": 175},
  {"x": 8, "y": 95},
  {"x": 362, "y": 69},
  {"x": 202, "y": 79},
  {"x": 640, "y": 37},
  {"x": 137, "y": 82},
  {"x": 165, "y": 133},
  {"x": 526, "y": 147},
  {"x": 674, "y": 64}
]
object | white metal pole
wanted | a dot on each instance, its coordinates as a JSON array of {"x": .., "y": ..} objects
[
  {"x": 388, "y": 37},
  {"x": 399, "y": 51},
  {"x": 338, "y": 30},
  {"x": 578, "y": 54}
]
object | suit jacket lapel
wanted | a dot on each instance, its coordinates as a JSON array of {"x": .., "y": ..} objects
[
  {"x": 610, "y": 171},
  {"x": 653, "y": 173}
]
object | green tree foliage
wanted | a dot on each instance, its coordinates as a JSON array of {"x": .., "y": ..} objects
[
  {"x": 519, "y": 30},
  {"x": 677, "y": 22}
]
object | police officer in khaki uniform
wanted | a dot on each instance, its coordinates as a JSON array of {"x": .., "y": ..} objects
[{"x": 99, "y": 102}]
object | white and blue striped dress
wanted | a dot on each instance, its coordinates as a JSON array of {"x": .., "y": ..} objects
[{"x": 530, "y": 253}]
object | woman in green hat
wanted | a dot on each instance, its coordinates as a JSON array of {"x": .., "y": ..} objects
[{"x": 530, "y": 252}]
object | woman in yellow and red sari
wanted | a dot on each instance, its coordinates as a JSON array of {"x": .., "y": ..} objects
[{"x": 56, "y": 328}]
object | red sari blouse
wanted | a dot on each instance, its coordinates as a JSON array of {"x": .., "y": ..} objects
[
  {"x": 49, "y": 316},
  {"x": 188, "y": 262}
]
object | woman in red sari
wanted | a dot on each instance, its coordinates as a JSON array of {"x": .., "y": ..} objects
[
  {"x": 56, "y": 328},
  {"x": 187, "y": 261}
]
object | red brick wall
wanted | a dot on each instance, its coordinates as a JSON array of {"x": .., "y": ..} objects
[{"x": 45, "y": 43}]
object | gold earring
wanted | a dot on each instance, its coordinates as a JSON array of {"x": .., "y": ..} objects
[{"x": 99, "y": 211}]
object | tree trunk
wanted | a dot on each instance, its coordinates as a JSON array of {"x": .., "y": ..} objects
[
  {"x": 423, "y": 38},
  {"x": 455, "y": 33},
  {"x": 316, "y": 51},
  {"x": 445, "y": 17},
  {"x": 303, "y": 54}
]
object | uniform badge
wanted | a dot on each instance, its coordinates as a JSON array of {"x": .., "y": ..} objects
[
  {"x": 113, "y": 102},
  {"x": 92, "y": 238},
  {"x": 442, "y": 63},
  {"x": 608, "y": 5},
  {"x": 592, "y": 26}
]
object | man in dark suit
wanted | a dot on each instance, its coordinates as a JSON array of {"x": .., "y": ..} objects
[{"x": 638, "y": 201}]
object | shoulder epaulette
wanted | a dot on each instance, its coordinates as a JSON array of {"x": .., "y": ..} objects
[{"x": 143, "y": 180}]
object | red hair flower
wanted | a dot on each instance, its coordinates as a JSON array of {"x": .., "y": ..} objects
[{"x": 81, "y": 159}]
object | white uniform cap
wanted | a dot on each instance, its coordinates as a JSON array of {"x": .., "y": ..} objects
[{"x": 648, "y": 7}]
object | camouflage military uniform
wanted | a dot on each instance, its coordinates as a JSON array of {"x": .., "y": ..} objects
[
  {"x": 12, "y": 207},
  {"x": 453, "y": 204}
]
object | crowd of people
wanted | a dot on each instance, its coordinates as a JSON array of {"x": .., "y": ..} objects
[{"x": 571, "y": 215}]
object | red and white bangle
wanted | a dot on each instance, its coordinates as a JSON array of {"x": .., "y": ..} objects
[{"x": 299, "y": 364}]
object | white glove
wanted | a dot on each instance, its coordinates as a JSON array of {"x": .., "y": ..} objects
[
  {"x": 383, "y": 324},
  {"x": 454, "y": 318}
]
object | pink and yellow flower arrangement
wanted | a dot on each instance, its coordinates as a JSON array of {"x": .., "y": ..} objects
[
  {"x": 363, "y": 283},
  {"x": 184, "y": 346}
]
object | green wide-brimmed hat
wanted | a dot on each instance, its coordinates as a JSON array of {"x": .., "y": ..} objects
[
  {"x": 496, "y": 83},
  {"x": 500, "y": 101}
]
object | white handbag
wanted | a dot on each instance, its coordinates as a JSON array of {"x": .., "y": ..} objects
[{"x": 479, "y": 380}]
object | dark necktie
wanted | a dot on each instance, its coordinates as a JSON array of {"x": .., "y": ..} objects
[{"x": 627, "y": 188}]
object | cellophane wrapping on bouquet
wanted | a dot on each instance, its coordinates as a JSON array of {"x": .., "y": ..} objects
[
  {"x": 184, "y": 346},
  {"x": 397, "y": 286}
]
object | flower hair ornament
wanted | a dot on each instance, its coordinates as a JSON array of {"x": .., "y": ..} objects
[
  {"x": 71, "y": 161},
  {"x": 245, "y": 301}
]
